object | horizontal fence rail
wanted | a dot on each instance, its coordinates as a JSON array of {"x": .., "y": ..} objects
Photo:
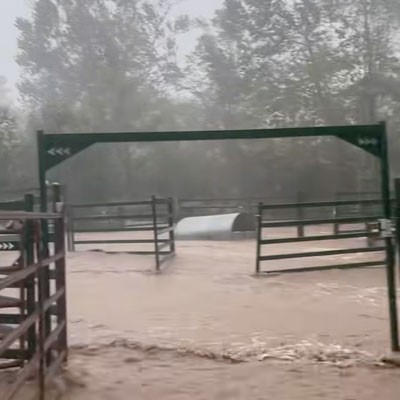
[
  {"x": 319, "y": 204},
  {"x": 304, "y": 222},
  {"x": 152, "y": 218},
  {"x": 185, "y": 207},
  {"x": 299, "y": 210},
  {"x": 353, "y": 205},
  {"x": 361, "y": 226},
  {"x": 33, "y": 326},
  {"x": 52, "y": 195}
]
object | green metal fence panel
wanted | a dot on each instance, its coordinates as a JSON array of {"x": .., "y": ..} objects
[
  {"x": 155, "y": 216},
  {"x": 331, "y": 221},
  {"x": 30, "y": 326},
  {"x": 303, "y": 237}
]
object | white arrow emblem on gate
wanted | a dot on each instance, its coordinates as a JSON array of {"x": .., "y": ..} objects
[
  {"x": 366, "y": 141},
  {"x": 6, "y": 246},
  {"x": 59, "y": 151}
]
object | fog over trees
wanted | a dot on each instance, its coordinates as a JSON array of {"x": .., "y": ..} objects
[{"x": 115, "y": 65}]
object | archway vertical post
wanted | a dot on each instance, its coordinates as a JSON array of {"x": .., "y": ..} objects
[
  {"x": 45, "y": 226},
  {"x": 42, "y": 171},
  {"x": 390, "y": 254}
]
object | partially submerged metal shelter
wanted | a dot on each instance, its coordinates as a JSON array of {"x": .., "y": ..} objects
[{"x": 216, "y": 227}]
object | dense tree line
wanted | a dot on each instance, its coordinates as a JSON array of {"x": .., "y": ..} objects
[{"x": 113, "y": 65}]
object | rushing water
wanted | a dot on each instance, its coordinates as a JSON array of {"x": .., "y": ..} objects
[
  {"x": 208, "y": 299},
  {"x": 206, "y": 328}
]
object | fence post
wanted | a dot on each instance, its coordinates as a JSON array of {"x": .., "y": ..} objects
[
  {"x": 336, "y": 230},
  {"x": 59, "y": 247},
  {"x": 67, "y": 227},
  {"x": 155, "y": 231},
  {"x": 259, "y": 217},
  {"x": 71, "y": 222},
  {"x": 300, "y": 214},
  {"x": 40, "y": 237},
  {"x": 42, "y": 230},
  {"x": 22, "y": 292},
  {"x": 42, "y": 285},
  {"x": 397, "y": 215},
  {"x": 56, "y": 195},
  {"x": 28, "y": 253},
  {"x": 58, "y": 205},
  {"x": 171, "y": 224},
  {"x": 176, "y": 208}
]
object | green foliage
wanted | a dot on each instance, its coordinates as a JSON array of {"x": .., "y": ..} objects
[
  {"x": 112, "y": 65},
  {"x": 12, "y": 161},
  {"x": 284, "y": 63},
  {"x": 296, "y": 63},
  {"x": 96, "y": 65}
]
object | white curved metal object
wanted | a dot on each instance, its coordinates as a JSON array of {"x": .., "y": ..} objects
[{"x": 216, "y": 227}]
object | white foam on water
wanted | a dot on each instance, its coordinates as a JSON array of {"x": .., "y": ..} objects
[{"x": 95, "y": 337}]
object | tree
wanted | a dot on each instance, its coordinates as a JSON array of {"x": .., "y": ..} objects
[
  {"x": 278, "y": 63},
  {"x": 98, "y": 66},
  {"x": 110, "y": 65},
  {"x": 12, "y": 145}
]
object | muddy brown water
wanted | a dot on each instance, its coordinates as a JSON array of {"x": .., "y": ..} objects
[{"x": 206, "y": 328}]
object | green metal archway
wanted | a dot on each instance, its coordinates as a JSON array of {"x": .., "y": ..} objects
[{"x": 53, "y": 149}]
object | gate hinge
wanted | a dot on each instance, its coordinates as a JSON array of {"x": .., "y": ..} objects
[
  {"x": 58, "y": 206},
  {"x": 386, "y": 228}
]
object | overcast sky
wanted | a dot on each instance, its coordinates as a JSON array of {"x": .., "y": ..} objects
[{"x": 11, "y": 9}]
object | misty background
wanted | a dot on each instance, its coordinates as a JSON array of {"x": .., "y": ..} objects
[{"x": 160, "y": 65}]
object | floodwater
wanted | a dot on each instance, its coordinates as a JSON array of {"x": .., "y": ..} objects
[{"x": 207, "y": 328}]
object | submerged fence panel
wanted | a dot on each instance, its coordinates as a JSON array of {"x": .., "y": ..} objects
[
  {"x": 147, "y": 223},
  {"x": 320, "y": 229}
]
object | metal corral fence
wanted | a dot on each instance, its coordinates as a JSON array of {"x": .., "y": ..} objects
[
  {"x": 213, "y": 206},
  {"x": 343, "y": 196},
  {"x": 24, "y": 204},
  {"x": 201, "y": 207},
  {"x": 55, "y": 192},
  {"x": 33, "y": 328},
  {"x": 151, "y": 220},
  {"x": 365, "y": 203},
  {"x": 360, "y": 205},
  {"x": 311, "y": 219}
]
